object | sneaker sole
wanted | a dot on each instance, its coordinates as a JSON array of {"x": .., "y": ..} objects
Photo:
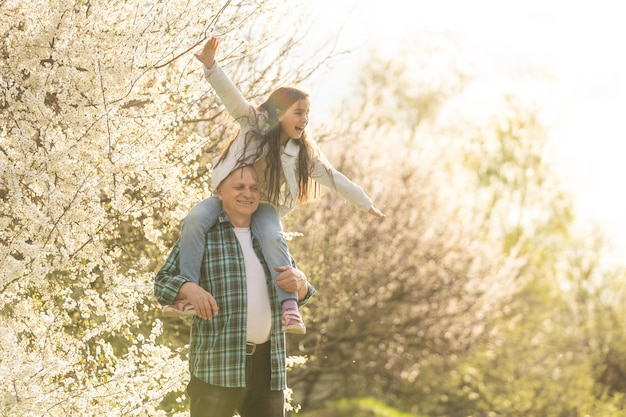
[
  {"x": 294, "y": 329},
  {"x": 172, "y": 312}
]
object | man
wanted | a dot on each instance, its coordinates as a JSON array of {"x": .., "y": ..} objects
[{"x": 237, "y": 349}]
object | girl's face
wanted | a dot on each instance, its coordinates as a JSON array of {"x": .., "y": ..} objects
[{"x": 294, "y": 120}]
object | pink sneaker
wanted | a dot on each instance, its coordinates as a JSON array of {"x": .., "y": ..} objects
[
  {"x": 182, "y": 308},
  {"x": 292, "y": 322}
]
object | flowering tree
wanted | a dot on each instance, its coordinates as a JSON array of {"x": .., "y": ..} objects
[{"x": 106, "y": 129}]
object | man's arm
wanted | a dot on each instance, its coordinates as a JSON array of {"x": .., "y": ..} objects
[
  {"x": 169, "y": 286},
  {"x": 167, "y": 282}
]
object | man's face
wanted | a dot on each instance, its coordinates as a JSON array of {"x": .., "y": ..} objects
[{"x": 240, "y": 194}]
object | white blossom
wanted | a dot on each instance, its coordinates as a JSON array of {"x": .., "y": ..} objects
[{"x": 93, "y": 99}]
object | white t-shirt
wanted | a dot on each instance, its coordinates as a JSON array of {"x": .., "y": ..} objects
[{"x": 259, "y": 309}]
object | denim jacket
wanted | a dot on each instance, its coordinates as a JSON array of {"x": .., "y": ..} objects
[{"x": 244, "y": 112}]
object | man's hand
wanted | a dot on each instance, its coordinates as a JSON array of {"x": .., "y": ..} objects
[
  {"x": 207, "y": 55},
  {"x": 291, "y": 279},
  {"x": 201, "y": 300}
]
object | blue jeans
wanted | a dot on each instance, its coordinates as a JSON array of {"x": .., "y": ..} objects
[
  {"x": 265, "y": 226},
  {"x": 255, "y": 400}
]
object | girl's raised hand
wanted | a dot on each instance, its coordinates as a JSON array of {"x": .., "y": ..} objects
[{"x": 207, "y": 54}]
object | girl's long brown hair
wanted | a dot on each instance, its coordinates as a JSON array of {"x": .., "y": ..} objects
[{"x": 266, "y": 129}]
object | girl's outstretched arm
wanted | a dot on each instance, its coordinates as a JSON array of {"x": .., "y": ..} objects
[
  {"x": 236, "y": 105},
  {"x": 207, "y": 54},
  {"x": 328, "y": 176}
]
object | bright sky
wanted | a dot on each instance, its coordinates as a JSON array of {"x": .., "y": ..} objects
[{"x": 579, "y": 42}]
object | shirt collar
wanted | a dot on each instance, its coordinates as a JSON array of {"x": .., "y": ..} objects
[
  {"x": 291, "y": 148},
  {"x": 223, "y": 218}
]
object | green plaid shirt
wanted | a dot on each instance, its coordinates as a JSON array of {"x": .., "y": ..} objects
[{"x": 217, "y": 351}]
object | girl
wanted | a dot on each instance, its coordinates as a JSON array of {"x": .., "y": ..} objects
[{"x": 273, "y": 139}]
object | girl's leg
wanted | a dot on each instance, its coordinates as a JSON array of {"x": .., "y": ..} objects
[
  {"x": 267, "y": 228},
  {"x": 193, "y": 238}
]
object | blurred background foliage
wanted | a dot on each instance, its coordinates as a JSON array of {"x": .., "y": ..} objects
[{"x": 476, "y": 296}]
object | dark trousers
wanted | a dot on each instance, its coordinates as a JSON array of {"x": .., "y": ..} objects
[{"x": 255, "y": 400}]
